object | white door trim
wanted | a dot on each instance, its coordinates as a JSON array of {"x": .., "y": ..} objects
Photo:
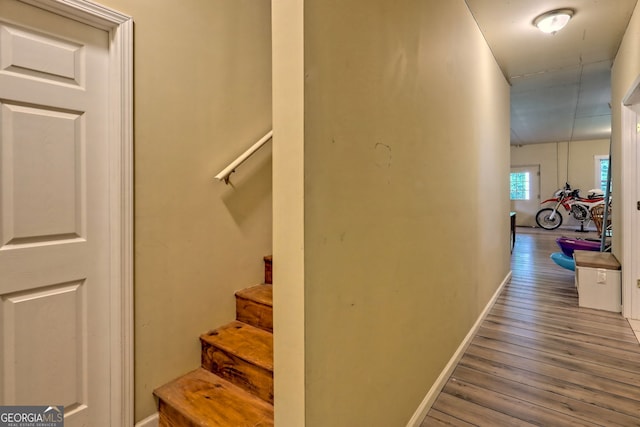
[
  {"x": 630, "y": 220},
  {"x": 120, "y": 28}
]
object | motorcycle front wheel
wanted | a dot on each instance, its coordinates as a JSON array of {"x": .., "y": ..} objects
[{"x": 543, "y": 219}]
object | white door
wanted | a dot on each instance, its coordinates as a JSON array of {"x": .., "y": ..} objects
[
  {"x": 54, "y": 214},
  {"x": 632, "y": 300},
  {"x": 527, "y": 207},
  {"x": 627, "y": 199}
]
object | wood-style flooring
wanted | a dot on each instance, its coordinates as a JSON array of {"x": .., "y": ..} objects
[{"x": 539, "y": 359}]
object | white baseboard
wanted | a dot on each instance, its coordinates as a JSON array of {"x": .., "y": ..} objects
[
  {"x": 150, "y": 421},
  {"x": 433, "y": 393}
]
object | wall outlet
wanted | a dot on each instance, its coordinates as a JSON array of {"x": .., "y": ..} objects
[{"x": 602, "y": 276}]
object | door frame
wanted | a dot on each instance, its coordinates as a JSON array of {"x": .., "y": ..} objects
[
  {"x": 630, "y": 218},
  {"x": 120, "y": 140}
]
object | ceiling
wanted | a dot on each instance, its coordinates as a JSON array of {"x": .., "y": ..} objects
[{"x": 560, "y": 84}]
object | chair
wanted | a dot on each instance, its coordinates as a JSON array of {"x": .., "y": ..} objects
[{"x": 597, "y": 214}]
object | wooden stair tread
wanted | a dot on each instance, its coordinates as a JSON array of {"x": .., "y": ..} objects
[
  {"x": 234, "y": 385},
  {"x": 262, "y": 294},
  {"x": 201, "y": 398},
  {"x": 244, "y": 341}
]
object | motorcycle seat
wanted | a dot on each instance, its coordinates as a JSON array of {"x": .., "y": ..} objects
[{"x": 595, "y": 193}]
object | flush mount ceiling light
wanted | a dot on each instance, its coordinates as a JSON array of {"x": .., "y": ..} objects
[{"x": 553, "y": 21}]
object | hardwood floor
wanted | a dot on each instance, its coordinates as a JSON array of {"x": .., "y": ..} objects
[{"x": 539, "y": 359}]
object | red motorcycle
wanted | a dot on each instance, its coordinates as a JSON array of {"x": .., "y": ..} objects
[{"x": 570, "y": 200}]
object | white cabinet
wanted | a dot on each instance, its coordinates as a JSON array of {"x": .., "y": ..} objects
[{"x": 598, "y": 280}]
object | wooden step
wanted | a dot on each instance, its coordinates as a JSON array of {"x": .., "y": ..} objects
[
  {"x": 241, "y": 354},
  {"x": 254, "y": 306},
  {"x": 201, "y": 398}
]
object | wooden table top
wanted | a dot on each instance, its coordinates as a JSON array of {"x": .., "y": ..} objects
[{"x": 595, "y": 259}]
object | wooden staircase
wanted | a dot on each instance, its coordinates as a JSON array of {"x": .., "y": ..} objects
[{"x": 234, "y": 385}]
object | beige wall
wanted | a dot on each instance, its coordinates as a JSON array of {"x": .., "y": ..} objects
[
  {"x": 625, "y": 71},
  {"x": 555, "y": 170},
  {"x": 406, "y": 120},
  {"x": 202, "y": 96}
]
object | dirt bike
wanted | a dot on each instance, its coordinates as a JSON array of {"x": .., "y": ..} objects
[{"x": 570, "y": 200}]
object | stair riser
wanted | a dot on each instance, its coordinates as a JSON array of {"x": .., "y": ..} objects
[
  {"x": 252, "y": 378},
  {"x": 170, "y": 417},
  {"x": 268, "y": 270},
  {"x": 254, "y": 314}
]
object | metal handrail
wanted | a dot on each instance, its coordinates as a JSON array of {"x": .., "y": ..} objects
[{"x": 226, "y": 172}]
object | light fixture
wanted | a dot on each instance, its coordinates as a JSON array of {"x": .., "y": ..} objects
[{"x": 553, "y": 21}]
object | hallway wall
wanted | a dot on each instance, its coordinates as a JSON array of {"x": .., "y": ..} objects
[
  {"x": 401, "y": 122},
  {"x": 202, "y": 96}
]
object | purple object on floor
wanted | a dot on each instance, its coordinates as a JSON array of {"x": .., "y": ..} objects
[{"x": 568, "y": 245}]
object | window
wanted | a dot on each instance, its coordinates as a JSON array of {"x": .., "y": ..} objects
[
  {"x": 602, "y": 170},
  {"x": 520, "y": 187}
]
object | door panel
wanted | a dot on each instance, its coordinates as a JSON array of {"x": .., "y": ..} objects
[
  {"x": 41, "y": 163},
  {"x": 54, "y": 214},
  {"x": 29, "y": 53},
  {"x": 59, "y": 310}
]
